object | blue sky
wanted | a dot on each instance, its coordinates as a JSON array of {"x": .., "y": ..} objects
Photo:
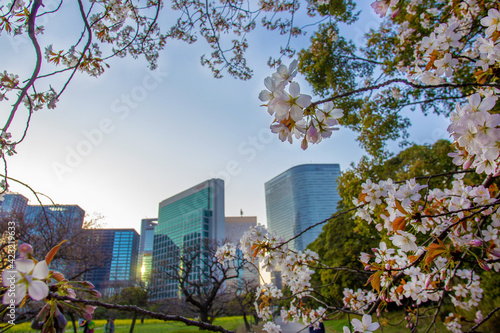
[{"x": 119, "y": 144}]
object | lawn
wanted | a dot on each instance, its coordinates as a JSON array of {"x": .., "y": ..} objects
[
  {"x": 230, "y": 323},
  {"x": 149, "y": 326}
]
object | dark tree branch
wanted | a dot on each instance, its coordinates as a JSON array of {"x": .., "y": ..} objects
[{"x": 133, "y": 308}]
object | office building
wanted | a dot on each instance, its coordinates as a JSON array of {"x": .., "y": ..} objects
[
  {"x": 70, "y": 215},
  {"x": 188, "y": 220},
  {"x": 146, "y": 249},
  {"x": 13, "y": 204},
  {"x": 236, "y": 226},
  {"x": 299, "y": 198},
  {"x": 118, "y": 251}
]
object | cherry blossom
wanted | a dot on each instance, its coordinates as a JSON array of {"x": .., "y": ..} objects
[
  {"x": 28, "y": 277},
  {"x": 365, "y": 324},
  {"x": 492, "y": 21}
]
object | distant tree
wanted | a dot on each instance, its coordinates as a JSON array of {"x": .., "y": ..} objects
[
  {"x": 242, "y": 300},
  {"x": 47, "y": 229},
  {"x": 201, "y": 278},
  {"x": 133, "y": 296}
]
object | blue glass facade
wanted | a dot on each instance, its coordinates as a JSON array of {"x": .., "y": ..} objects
[
  {"x": 118, "y": 250},
  {"x": 300, "y": 197},
  {"x": 13, "y": 203},
  {"x": 186, "y": 220},
  {"x": 64, "y": 214},
  {"x": 146, "y": 249}
]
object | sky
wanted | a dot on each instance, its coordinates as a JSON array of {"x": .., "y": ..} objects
[{"x": 119, "y": 144}]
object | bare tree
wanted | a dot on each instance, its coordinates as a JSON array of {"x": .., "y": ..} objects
[
  {"x": 45, "y": 228},
  {"x": 200, "y": 279}
]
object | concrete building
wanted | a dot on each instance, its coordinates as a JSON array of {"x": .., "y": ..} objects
[
  {"x": 187, "y": 220},
  {"x": 236, "y": 226},
  {"x": 300, "y": 197}
]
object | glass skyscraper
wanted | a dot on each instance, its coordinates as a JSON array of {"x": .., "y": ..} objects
[
  {"x": 57, "y": 214},
  {"x": 300, "y": 197},
  {"x": 13, "y": 203},
  {"x": 185, "y": 221},
  {"x": 118, "y": 250},
  {"x": 146, "y": 249}
]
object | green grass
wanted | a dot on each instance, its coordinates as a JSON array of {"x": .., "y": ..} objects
[
  {"x": 230, "y": 323},
  {"x": 149, "y": 326}
]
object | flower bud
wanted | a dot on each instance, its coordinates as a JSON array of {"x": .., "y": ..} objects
[
  {"x": 71, "y": 293},
  {"x": 495, "y": 253},
  {"x": 484, "y": 265},
  {"x": 87, "y": 284},
  {"x": 89, "y": 309},
  {"x": 468, "y": 163},
  {"x": 428, "y": 281},
  {"x": 95, "y": 293},
  {"x": 304, "y": 144},
  {"x": 25, "y": 250},
  {"x": 476, "y": 242},
  {"x": 58, "y": 276},
  {"x": 387, "y": 267},
  {"x": 312, "y": 134},
  {"x": 395, "y": 13}
]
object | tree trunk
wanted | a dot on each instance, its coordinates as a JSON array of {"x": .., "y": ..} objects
[
  {"x": 256, "y": 318},
  {"x": 133, "y": 323},
  {"x": 204, "y": 317},
  {"x": 142, "y": 319},
  {"x": 247, "y": 325},
  {"x": 73, "y": 321}
]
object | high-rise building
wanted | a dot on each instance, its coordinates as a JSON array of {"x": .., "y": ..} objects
[
  {"x": 187, "y": 220},
  {"x": 118, "y": 250},
  {"x": 146, "y": 249},
  {"x": 299, "y": 198},
  {"x": 13, "y": 203},
  {"x": 236, "y": 226},
  {"x": 71, "y": 215}
]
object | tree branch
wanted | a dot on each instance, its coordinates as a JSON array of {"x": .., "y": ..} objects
[{"x": 133, "y": 308}]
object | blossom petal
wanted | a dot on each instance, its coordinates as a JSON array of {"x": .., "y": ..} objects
[
  {"x": 38, "y": 290},
  {"x": 9, "y": 277},
  {"x": 24, "y": 265},
  {"x": 265, "y": 95},
  {"x": 356, "y": 324},
  {"x": 41, "y": 270},
  {"x": 17, "y": 294},
  {"x": 337, "y": 113},
  {"x": 294, "y": 89},
  {"x": 304, "y": 101}
]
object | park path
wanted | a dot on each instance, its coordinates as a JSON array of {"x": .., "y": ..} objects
[{"x": 291, "y": 327}]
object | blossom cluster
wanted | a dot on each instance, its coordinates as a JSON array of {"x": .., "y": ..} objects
[
  {"x": 225, "y": 252},
  {"x": 294, "y": 114},
  {"x": 31, "y": 279},
  {"x": 460, "y": 219},
  {"x": 271, "y": 253},
  {"x": 477, "y": 132}
]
